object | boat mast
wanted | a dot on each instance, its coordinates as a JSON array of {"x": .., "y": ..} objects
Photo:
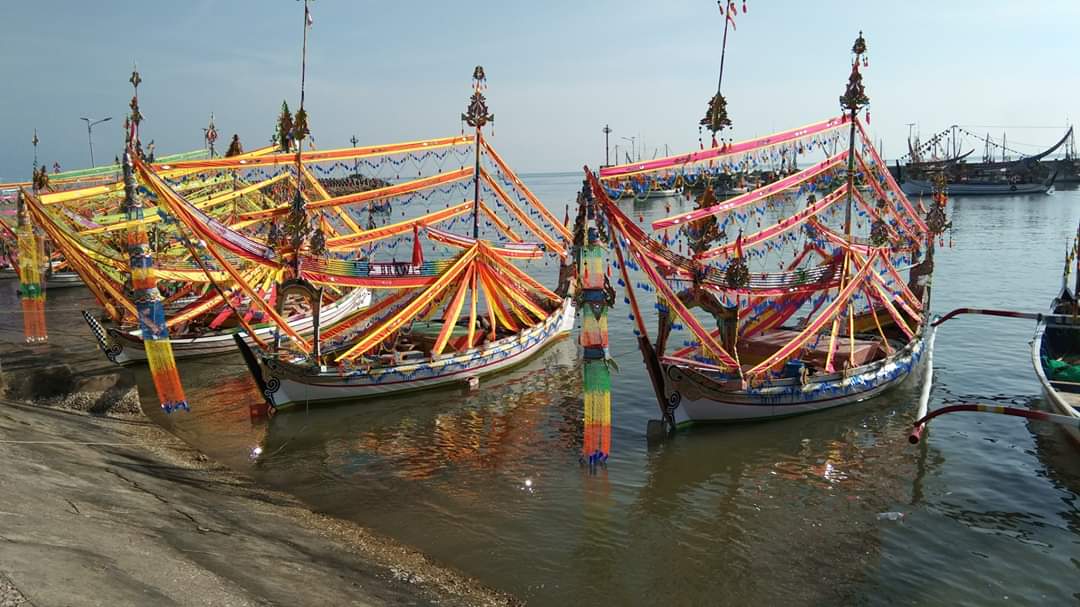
[
  {"x": 853, "y": 100},
  {"x": 476, "y": 116},
  {"x": 723, "y": 44},
  {"x": 298, "y": 220}
]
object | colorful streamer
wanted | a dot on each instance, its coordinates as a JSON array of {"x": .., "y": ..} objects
[
  {"x": 148, "y": 303},
  {"x": 31, "y": 281},
  {"x": 596, "y": 445}
]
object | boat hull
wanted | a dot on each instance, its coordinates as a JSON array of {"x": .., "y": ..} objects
[
  {"x": 58, "y": 280},
  {"x": 925, "y": 188},
  {"x": 285, "y": 385},
  {"x": 1058, "y": 400},
  {"x": 625, "y": 194},
  {"x": 126, "y": 347},
  {"x": 63, "y": 280},
  {"x": 693, "y": 397}
]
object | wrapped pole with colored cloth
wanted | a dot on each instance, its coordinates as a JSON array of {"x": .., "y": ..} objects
[
  {"x": 31, "y": 279},
  {"x": 596, "y": 444}
]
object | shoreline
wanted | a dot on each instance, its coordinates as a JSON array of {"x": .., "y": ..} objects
[{"x": 113, "y": 509}]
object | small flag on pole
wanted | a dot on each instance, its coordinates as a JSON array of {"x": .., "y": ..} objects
[{"x": 731, "y": 11}]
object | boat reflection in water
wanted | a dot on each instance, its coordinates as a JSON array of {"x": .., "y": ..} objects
[
  {"x": 416, "y": 437},
  {"x": 730, "y": 495}
]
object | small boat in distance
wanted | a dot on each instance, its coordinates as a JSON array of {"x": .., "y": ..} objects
[
  {"x": 995, "y": 175},
  {"x": 913, "y": 187}
]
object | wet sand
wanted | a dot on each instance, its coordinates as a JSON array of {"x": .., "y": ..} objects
[{"x": 109, "y": 509}]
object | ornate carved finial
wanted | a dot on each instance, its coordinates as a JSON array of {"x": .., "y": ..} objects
[
  {"x": 716, "y": 116},
  {"x": 935, "y": 215},
  {"x": 476, "y": 115},
  {"x": 210, "y": 133},
  {"x": 860, "y": 45},
  {"x": 854, "y": 97},
  {"x": 135, "y": 117}
]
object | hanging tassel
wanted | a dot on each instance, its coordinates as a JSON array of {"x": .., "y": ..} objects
[
  {"x": 148, "y": 304},
  {"x": 31, "y": 279}
]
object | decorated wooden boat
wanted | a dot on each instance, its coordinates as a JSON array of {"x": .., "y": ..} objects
[
  {"x": 839, "y": 323},
  {"x": 457, "y": 310},
  {"x": 284, "y": 382},
  {"x": 126, "y": 347}
]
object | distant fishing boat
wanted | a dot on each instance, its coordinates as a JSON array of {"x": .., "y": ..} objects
[
  {"x": 643, "y": 194},
  {"x": 913, "y": 187},
  {"x": 992, "y": 177}
]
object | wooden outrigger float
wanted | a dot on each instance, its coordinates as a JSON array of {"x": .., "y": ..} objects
[
  {"x": 863, "y": 325},
  {"x": 434, "y": 322},
  {"x": 1055, "y": 357}
]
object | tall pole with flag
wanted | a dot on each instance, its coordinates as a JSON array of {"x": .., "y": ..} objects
[
  {"x": 716, "y": 116},
  {"x": 31, "y": 261},
  {"x": 297, "y": 223}
]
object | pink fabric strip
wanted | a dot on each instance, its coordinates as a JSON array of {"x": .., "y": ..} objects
[
  {"x": 717, "y": 153},
  {"x": 908, "y": 229},
  {"x": 827, "y": 316},
  {"x": 524, "y": 250},
  {"x": 673, "y": 301},
  {"x": 754, "y": 196},
  {"x": 780, "y": 227},
  {"x": 889, "y": 179},
  {"x": 907, "y": 299},
  {"x": 873, "y": 212}
]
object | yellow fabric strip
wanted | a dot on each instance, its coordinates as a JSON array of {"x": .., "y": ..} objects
[
  {"x": 518, "y": 183},
  {"x": 453, "y": 311},
  {"x": 522, "y": 216},
  {"x": 377, "y": 334}
]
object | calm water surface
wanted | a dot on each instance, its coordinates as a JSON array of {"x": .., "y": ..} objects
[{"x": 779, "y": 512}]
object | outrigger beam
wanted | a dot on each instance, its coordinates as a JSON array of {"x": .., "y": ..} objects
[
  {"x": 1062, "y": 318},
  {"x": 1054, "y": 418}
]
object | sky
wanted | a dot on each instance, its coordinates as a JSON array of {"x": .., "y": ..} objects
[{"x": 558, "y": 71}]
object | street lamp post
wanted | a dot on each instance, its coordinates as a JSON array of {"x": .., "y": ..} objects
[
  {"x": 90, "y": 122},
  {"x": 607, "y": 148},
  {"x": 356, "y": 161}
]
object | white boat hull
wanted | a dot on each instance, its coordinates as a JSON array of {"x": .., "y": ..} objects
[
  {"x": 690, "y": 400},
  {"x": 58, "y": 280},
  {"x": 284, "y": 385},
  {"x": 124, "y": 348},
  {"x": 63, "y": 280},
  {"x": 1058, "y": 400}
]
